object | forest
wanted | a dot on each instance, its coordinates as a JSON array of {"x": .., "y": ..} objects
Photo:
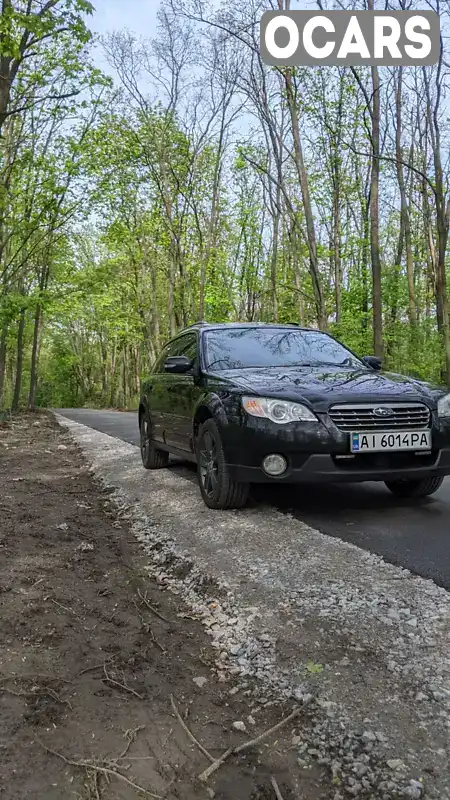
[{"x": 189, "y": 181}]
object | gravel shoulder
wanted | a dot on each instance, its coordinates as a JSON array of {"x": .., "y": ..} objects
[
  {"x": 304, "y": 614},
  {"x": 92, "y": 648}
]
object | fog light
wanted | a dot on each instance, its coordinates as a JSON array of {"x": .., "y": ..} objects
[{"x": 274, "y": 464}]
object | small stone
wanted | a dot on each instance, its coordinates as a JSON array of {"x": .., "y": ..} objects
[
  {"x": 240, "y": 726},
  {"x": 210, "y": 792},
  {"x": 414, "y": 790},
  {"x": 63, "y": 527},
  {"x": 233, "y": 691},
  {"x": 395, "y": 763},
  {"x": 421, "y": 696},
  {"x": 251, "y": 720},
  {"x": 61, "y": 447},
  {"x": 296, "y": 741},
  {"x": 368, "y": 736},
  {"x": 200, "y": 681},
  {"x": 412, "y": 621},
  {"x": 85, "y": 547}
]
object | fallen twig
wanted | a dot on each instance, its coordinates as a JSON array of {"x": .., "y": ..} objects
[
  {"x": 52, "y": 693},
  {"x": 90, "y": 669},
  {"x": 206, "y": 774},
  {"x": 130, "y": 736},
  {"x": 189, "y": 733},
  {"x": 120, "y": 685},
  {"x": 64, "y": 608},
  {"x": 34, "y": 675},
  {"x": 148, "y": 629},
  {"x": 87, "y": 764},
  {"x": 11, "y": 691},
  {"x": 155, "y": 640},
  {"x": 151, "y": 608},
  {"x": 276, "y": 789},
  {"x": 40, "y": 690},
  {"x": 252, "y": 742}
]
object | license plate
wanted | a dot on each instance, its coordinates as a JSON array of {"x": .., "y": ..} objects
[{"x": 401, "y": 440}]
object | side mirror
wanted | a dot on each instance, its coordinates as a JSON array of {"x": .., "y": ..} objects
[
  {"x": 372, "y": 361},
  {"x": 178, "y": 364}
]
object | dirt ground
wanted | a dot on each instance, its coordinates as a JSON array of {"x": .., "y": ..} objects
[{"x": 91, "y": 652}]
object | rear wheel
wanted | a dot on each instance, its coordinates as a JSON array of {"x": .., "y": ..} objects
[
  {"x": 415, "y": 488},
  {"x": 152, "y": 458},
  {"x": 218, "y": 489}
]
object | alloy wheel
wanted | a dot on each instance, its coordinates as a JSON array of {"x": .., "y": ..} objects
[
  {"x": 145, "y": 437},
  {"x": 209, "y": 467}
]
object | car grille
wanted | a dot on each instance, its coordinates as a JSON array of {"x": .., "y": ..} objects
[{"x": 404, "y": 416}]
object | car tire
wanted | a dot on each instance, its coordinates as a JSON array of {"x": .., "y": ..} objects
[
  {"x": 415, "y": 488},
  {"x": 218, "y": 489},
  {"x": 152, "y": 458}
]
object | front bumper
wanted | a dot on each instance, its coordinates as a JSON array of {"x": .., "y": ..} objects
[
  {"x": 321, "y": 453},
  {"x": 326, "y": 469}
]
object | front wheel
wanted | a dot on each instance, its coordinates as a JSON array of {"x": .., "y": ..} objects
[
  {"x": 218, "y": 489},
  {"x": 415, "y": 488},
  {"x": 152, "y": 458}
]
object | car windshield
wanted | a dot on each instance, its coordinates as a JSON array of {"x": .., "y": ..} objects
[{"x": 245, "y": 348}]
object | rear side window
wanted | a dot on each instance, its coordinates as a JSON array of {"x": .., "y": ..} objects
[
  {"x": 159, "y": 363},
  {"x": 184, "y": 346},
  {"x": 188, "y": 347}
]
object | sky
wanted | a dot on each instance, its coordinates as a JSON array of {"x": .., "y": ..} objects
[{"x": 136, "y": 15}]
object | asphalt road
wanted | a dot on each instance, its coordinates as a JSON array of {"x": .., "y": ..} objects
[{"x": 412, "y": 534}]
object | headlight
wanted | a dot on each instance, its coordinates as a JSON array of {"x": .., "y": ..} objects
[
  {"x": 444, "y": 406},
  {"x": 278, "y": 411}
]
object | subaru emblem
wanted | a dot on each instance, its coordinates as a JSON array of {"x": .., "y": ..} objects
[{"x": 383, "y": 412}]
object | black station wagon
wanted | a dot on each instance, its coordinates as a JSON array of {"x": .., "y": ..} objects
[{"x": 255, "y": 402}]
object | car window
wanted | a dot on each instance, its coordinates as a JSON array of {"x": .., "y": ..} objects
[
  {"x": 240, "y": 348},
  {"x": 183, "y": 346},
  {"x": 159, "y": 363},
  {"x": 188, "y": 347}
]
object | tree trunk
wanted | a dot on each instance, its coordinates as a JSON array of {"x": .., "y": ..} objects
[
  {"x": 35, "y": 357},
  {"x": 442, "y": 216},
  {"x": 112, "y": 379},
  {"x": 404, "y": 208},
  {"x": 374, "y": 213},
  {"x": 211, "y": 234},
  {"x": 19, "y": 361},
  {"x": 3, "y": 341},
  {"x": 274, "y": 260},
  {"x": 365, "y": 264},
  {"x": 309, "y": 216},
  {"x": 337, "y": 251}
]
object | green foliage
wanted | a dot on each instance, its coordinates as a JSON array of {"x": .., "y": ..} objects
[{"x": 124, "y": 218}]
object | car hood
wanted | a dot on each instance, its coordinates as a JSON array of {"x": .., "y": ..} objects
[{"x": 327, "y": 385}]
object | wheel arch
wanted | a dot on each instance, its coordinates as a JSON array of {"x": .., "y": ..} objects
[{"x": 209, "y": 408}]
